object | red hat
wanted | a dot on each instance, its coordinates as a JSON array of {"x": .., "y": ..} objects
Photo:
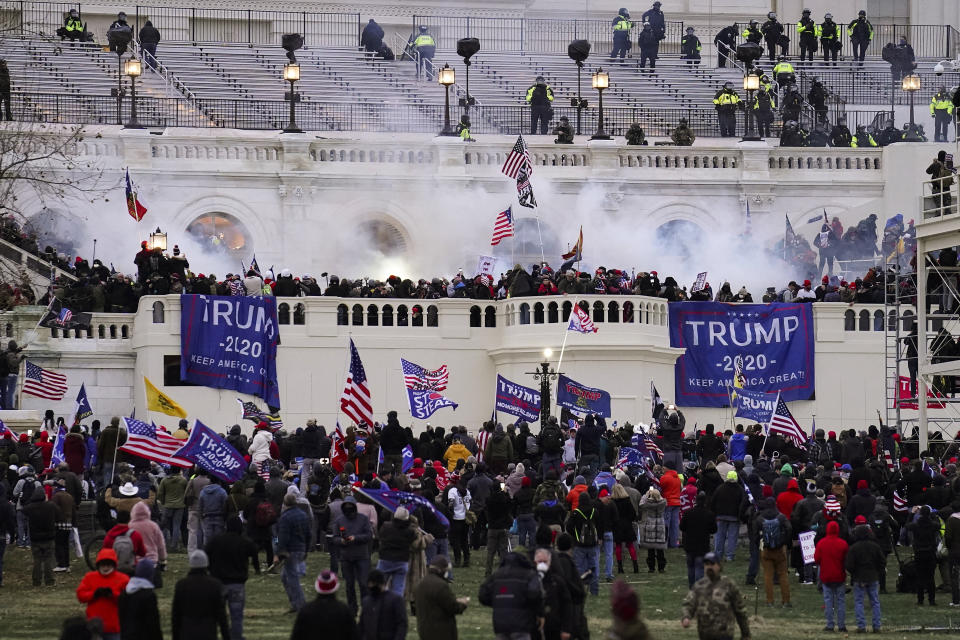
[
  {"x": 691, "y": 480},
  {"x": 953, "y": 460},
  {"x": 603, "y": 492},
  {"x": 825, "y": 280},
  {"x": 806, "y": 283},
  {"x": 525, "y": 482},
  {"x": 262, "y": 425},
  {"x": 904, "y": 460},
  {"x": 860, "y": 520},
  {"x": 862, "y": 484},
  {"x": 327, "y": 583},
  {"x": 896, "y": 437},
  {"x": 143, "y": 244},
  {"x": 767, "y": 491},
  {"x": 853, "y": 285},
  {"x": 832, "y": 435},
  {"x": 24, "y": 438}
]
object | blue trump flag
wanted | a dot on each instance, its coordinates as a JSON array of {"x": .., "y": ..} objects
[
  {"x": 755, "y": 405},
  {"x": 390, "y": 499},
  {"x": 424, "y": 403},
  {"x": 518, "y": 400},
  {"x": 605, "y": 479},
  {"x": 407, "y": 454},
  {"x": 84, "y": 410},
  {"x": 211, "y": 452},
  {"x": 582, "y": 399},
  {"x": 630, "y": 457},
  {"x": 775, "y": 342},
  {"x": 56, "y": 456},
  {"x": 230, "y": 342}
]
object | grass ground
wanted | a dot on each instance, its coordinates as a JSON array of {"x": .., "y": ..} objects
[{"x": 32, "y": 613}]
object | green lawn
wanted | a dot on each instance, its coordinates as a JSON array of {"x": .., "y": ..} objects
[{"x": 32, "y": 613}]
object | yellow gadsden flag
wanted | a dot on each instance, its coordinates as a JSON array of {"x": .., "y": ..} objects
[{"x": 158, "y": 401}]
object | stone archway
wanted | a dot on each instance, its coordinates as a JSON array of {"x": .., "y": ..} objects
[{"x": 222, "y": 233}]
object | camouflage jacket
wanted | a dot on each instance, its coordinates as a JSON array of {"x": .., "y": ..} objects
[{"x": 718, "y": 607}]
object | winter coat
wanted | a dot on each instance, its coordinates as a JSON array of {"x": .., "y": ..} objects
[
  {"x": 697, "y": 524},
  {"x": 626, "y": 516},
  {"x": 198, "y": 608},
  {"x": 259, "y": 449},
  {"x": 212, "y": 502},
  {"x": 727, "y": 500},
  {"x": 327, "y": 613},
  {"x": 101, "y": 607},
  {"x": 861, "y": 504},
  {"x": 864, "y": 557},
  {"x": 456, "y": 451},
  {"x": 670, "y": 487},
  {"x": 171, "y": 492},
  {"x": 831, "y": 555},
  {"x": 230, "y": 554},
  {"x": 74, "y": 452},
  {"x": 437, "y": 608},
  {"x": 787, "y": 500},
  {"x": 138, "y": 612},
  {"x": 515, "y": 594},
  {"x": 653, "y": 529},
  {"x": 951, "y": 536},
  {"x": 499, "y": 452},
  {"x": 417, "y": 565},
  {"x": 123, "y": 503},
  {"x": 43, "y": 516},
  {"x": 293, "y": 531},
  {"x": 359, "y": 527},
  {"x": 383, "y": 617},
  {"x": 396, "y": 538},
  {"x": 156, "y": 547}
]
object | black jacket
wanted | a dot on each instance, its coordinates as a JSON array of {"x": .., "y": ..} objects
[
  {"x": 727, "y": 499},
  {"x": 499, "y": 510},
  {"x": 393, "y": 439},
  {"x": 514, "y": 593},
  {"x": 329, "y": 614},
  {"x": 864, "y": 557},
  {"x": 310, "y": 441},
  {"x": 697, "y": 525},
  {"x": 396, "y": 538},
  {"x": 557, "y": 605},
  {"x": 861, "y": 504},
  {"x": 149, "y": 35},
  {"x": 198, "y": 608},
  {"x": 43, "y": 516},
  {"x": 384, "y": 617},
  {"x": 139, "y": 615},
  {"x": 230, "y": 554}
]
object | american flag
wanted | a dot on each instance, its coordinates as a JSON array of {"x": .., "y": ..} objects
[
  {"x": 629, "y": 457},
  {"x": 250, "y": 411},
  {"x": 580, "y": 321},
  {"x": 237, "y": 288},
  {"x": 355, "y": 401},
  {"x": 416, "y": 377},
  {"x": 43, "y": 383},
  {"x": 64, "y": 316},
  {"x": 502, "y": 226},
  {"x": 652, "y": 446},
  {"x": 891, "y": 466},
  {"x": 5, "y": 431},
  {"x": 147, "y": 441},
  {"x": 482, "y": 439},
  {"x": 518, "y": 158},
  {"x": 783, "y": 422},
  {"x": 524, "y": 188},
  {"x": 899, "y": 504}
]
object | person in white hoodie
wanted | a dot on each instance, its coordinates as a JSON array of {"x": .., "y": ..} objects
[{"x": 259, "y": 448}]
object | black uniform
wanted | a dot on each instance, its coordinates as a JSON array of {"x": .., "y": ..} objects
[
  {"x": 808, "y": 37},
  {"x": 773, "y": 35},
  {"x": 540, "y": 99},
  {"x": 792, "y": 103},
  {"x": 5, "y": 88},
  {"x": 861, "y": 33},
  {"x": 726, "y": 43},
  {"x": 817, "y": 96},
  {"x": 764, "y": 108},
  {"x": 690, "y": 48},
  {"x": 830, "y": 39},
  {"x": 649, "y": 45}
]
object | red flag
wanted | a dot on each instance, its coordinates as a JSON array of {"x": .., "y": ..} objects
[{"x": 338, "y": 458}]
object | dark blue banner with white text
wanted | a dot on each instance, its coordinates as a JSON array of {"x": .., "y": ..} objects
[
  {"x": 582, "y": 399},
  {"x": 230, "y": 342},
  {"x": 517, "y": 400},
  {"x": 774, "y": 341}
]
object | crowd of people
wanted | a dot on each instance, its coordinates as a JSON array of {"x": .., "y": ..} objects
[{"x": 570, "y": 500}]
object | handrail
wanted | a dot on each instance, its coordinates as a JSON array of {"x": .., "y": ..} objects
[{"x": 170, "y": 80}]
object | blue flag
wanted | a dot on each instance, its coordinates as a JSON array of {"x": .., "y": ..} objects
[
  {"x": 927, "y": 469},
  {"x": 604, "y": 479},
  {"x": 56, "y": 456},
  {"x": 630, "y": 457},
  {"x": 407, "y": 454},
  {"x": 390, "y": 499},
  {"x": 582, "y": 399},
  {"x": 423, "y": 403},
  {"x": 755, "y": 405},
  {"x": 517, "y": 400},
  {"x": 84, "y": 410},
  {"x": 211, "y": 452}
]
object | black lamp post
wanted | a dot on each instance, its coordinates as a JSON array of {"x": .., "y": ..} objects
[
  {"x": 751, "y": 83},
  {"x": 133, "y": 69},
  {"x": 545, "y": 374},
  {"x": 578, "y": 51},
  {"x": 600, "y": 81},
  {"x": 911, "y": 84},
  {"x": 466, "y": 48},
  {"x": 446, "y": 76},
  {"x": 291, "y": 73}
]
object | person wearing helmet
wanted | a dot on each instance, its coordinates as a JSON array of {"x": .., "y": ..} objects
[
  {"x": 649, "y": 45},
  {"x": 658, "y": 22},
  {"x": 726, "y": 43},
  {"x": 941, "y": 108},
  {"x": 792, "y": 135},
  {"x": 830, "y": 38},
  {"x": 752, "y": 33},
  {"x": 783, "y": 72},
  {"x": 426, "y": 48},
  {"x": 621, "y": 34},
  {"x": 890, "y": 134},
  {"x": 764, "y": 108},
  {"x": 72, "y": 27},
  {"x": 861, "y": 33},
  {"x": 683, "y": 136},
  {"x": 690, "y": 47},
  {"x": 840, "y": 134},
  {"x": 863, "y": 138},
  {"x": 792, "y": 103},
  {"x": 727, "y": 101},
  {"x": 817, "y": 96},
  {"x": 774, "y": 36},
  {"x": 540, "y": 99},
  {"x": 807, "y": 31}
]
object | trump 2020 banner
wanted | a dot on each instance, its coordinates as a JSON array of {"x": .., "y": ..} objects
[
  {"x": 774, "y": 340},
  {"x": 754, "y": 405},
  {"x": 517, "y": 400},
  {"x": 581, "y": 398},
  {"x": 211, "y": 452},
  {"x": 230, "y": 342}
]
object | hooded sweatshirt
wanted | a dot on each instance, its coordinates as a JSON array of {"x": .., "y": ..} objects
[
  {"x": 103, "y": 607},
  {"x": 787, "y": 500},
  {"x": 831, "y": 555},
  {"x": 149, "y": 531}
]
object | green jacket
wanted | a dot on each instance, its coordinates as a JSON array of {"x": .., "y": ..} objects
[
  {"x": 718, "y": 608},
  {"x": 499, "y": 448},
  {"x": 437, "y": 608},
  {"x": 171, "y": 492}
]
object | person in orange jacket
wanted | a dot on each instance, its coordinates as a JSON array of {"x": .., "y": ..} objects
[
  {"x": 670, "y": 488},
  {"x": 573, "y": 496},
  {"x": 100, "y": 589}
]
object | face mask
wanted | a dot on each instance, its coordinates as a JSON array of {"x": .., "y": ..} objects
[{"x": 542, "y": 567}]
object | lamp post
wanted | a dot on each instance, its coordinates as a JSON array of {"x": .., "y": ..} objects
[
  {"x": 291, "y": 73},
  {"x": 600, "y": 81},
  {"x": 158, "y": 240},
  {"x": 911, "y": 84},
  {"x": 466, "y": 48},
  {"x": 133, "y": 68},
  {"x": 751, "y": 83},
  {"x": 446, "y": 77},
  {"x": 545, "y": 374}
]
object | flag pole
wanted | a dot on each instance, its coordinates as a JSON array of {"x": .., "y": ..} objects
[{"x": 540, "y": 236}]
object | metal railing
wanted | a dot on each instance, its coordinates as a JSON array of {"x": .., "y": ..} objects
[
  {"x": 928, "y": 40},
  {"x": 43, "y": 18},
  {"x": 534, "y": 35},
  {"x": 875, "y": 87},
  {"x": 249, "y": 26}
]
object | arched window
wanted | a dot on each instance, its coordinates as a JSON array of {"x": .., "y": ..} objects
[
  {"x": 553, "y": 313},
  {"x": 850, "y": 320},
  {"x": 864, "y": 321},
  {"x": 628, "y": 312},
  {"x": 157, "y": 312},
  {"x": 567, "y": 308},
  {"x": 613, "y": 312},
  {"x": 474, "y": 316},
  {"x": 342, "y": 315},
  {"x": 113, "y": 332},
  {"x": 538, "y": 313},
  {"x": 8, "y": 330},
  {"x": 124, "y": 331},
  {"x": 402, "y": 317},
  {"x": 387, "y": 313},
  {"x": 417, "y": 315},
  {"x": 599, "y": 311},
  {"x": 432, "y": 316},
  {"x": 221, "y": 232},
  {"x": 524, "y": 313},
  {"x": 283, "y": 313},
  {"x": 357, "y": 315},
  {"x": 878, "y": 320},
  {"x": 372, "y": 315},
  {"x": 300, "y": 314},
  {"x": 490, "y": 317},
  {"x": 101, "y": 332}
]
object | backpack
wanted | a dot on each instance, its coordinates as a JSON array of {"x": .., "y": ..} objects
[
  {"x": 551, "y": 440},
  {"x": 588, "y": 531},
  {"x": 532, "y": 448},
  {"x": 265, "y": 514},
  {"x": 26, "y": 491},
  {"x": 123, "y": 547},
  {"x": 771, "y": 533}
]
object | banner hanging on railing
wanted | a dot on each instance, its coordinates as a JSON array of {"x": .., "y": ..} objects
[{"x": 775, "y": 340}]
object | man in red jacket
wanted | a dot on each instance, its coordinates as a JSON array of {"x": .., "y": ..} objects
[
  {"x": 100, "y": 589},
  {"x": 830, "y": 555}
]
